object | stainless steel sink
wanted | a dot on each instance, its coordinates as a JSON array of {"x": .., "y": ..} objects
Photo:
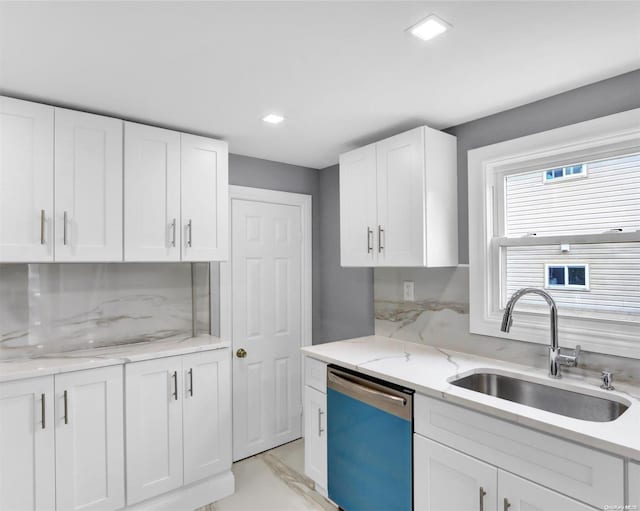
[{"x": 544, "y": 397}]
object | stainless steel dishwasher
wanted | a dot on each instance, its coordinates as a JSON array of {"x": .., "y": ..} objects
[{"x": 370, "y": 442}]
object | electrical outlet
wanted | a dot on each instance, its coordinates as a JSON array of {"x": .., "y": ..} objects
[{"x": 408, "y": 287}]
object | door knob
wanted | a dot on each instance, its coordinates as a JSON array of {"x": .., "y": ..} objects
[{"x": 241, "y": 353}]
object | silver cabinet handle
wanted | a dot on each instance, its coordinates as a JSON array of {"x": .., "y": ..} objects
[
  {"x": 42, "y": 229},
  {"x": 482, "y": 494},
  {"x": 380, "y": 233},
  {"x": 506, "y": 504},
  {"x": 66, "y": 408},
  {"x": 369, "y": 240},
  {"x": 175, "y": 385},
  {"x": 191, "y": 381},
  {"x": 190, "y": 227},
  {"x": 173, "y": 233},
  {"x": 64, "y": 228},
  {"x": 320, "y": 430},
  {"x": 43, "y": 410}
]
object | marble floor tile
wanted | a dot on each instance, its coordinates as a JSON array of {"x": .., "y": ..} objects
[{"x": 273, "y": 481}]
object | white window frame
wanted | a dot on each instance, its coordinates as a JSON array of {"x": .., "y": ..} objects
[{"x": 600, "y": 138}]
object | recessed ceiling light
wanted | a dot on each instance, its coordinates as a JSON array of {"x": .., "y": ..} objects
[
  {"x": 429, "y": 27},
  {"x": 273, "y": 118}
]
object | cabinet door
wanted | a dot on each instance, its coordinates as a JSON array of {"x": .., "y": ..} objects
[
  {"x": 152, "y": 193},
  {"x": 207, "y": 414},
  {"x": 401, "y": 200},
  {"x": 358, "y": 220},
  {"x": 315, "y": 436},
  {"x": 153, "y": 427},
  {"x": 205, "y": 199},
  {"x": 26, "y": 181},
  {"x": 88, "y": 187},
  {"x": 634, "y": 484},
  {"x": 516, "y": 494},
  {"x": 90, "y": 439},
  {"x": 27, "y": 466},
  {"x": 445, "y": 479}
]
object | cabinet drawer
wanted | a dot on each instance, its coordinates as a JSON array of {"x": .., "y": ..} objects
[
  {"x": 315, "y": 374},
  {"x": 580, "y": 472},
  {"x": 634, "y": 484}
]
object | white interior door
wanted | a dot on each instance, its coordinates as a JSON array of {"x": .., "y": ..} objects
[
  {"x": 26, "y": 181},
  {"x": 88, "y": 187},
  {"x": 90, "y": 439},
  {"x": 267, "y": 248}
]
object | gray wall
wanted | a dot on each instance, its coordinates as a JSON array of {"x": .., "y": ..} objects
[
  {"x": 346, "y": 305},
  {"x": 607, "y": 97},
  {"x": 257, "y": 173}
]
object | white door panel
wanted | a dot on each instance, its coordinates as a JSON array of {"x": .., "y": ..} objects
[
  {"x": 88, "y": 187},
  {"x": 315, "y": 441},
  {"x": 205, "y": 192},
  {"x": 447, "y": 480},
  {"x": 207, "y": 414},
  {"x": 90, "y": 439},
  {"x": 26, "y": 181},
  {"x": 153, "y": 411},
  {"x": 266, "y": 283},
  {"x": 358, "y": 216},
  {"x": 152, "y": 194},
  {"x": 401, "y": 191},
  {"x": 27, "y": 450},
  {"x": 516, "y": 494}
]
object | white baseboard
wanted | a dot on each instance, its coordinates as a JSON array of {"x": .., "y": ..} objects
[{"x": 193, "y": 496}]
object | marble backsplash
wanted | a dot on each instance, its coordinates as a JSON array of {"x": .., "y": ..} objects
[
  {"x": 439, "y": 316},
  {"x": 53, "y": 308}
]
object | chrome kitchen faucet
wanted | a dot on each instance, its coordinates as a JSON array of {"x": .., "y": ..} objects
[{"x": 556, "y": 358}]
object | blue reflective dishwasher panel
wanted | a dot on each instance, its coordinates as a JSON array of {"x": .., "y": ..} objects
[{"x": 369, "y": 456}]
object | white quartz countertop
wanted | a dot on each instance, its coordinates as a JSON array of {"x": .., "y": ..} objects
[
  {"x": 429, "y": 370},
  {"x": 100, "y": 357}
]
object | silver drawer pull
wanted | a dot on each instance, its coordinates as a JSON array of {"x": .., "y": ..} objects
[
  {"x": 175, "y": 385},
  {"x": 320, "y": 430},
  {"x": 482, "y": 494},
  {"x": 64, "y": 228},
  {"x": 66, "y": 407},
  {"x": 173, "y": 233},
  {"x": 43, "y": 410},
  {"x": 380, "y": 233},
  {"x": 190, "y": 227},
  {"x": 369, "y": 240},
  {"x": 42, "y": 219}
]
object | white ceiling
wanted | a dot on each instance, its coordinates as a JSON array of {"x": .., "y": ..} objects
[{"x": 342, "y": 73}]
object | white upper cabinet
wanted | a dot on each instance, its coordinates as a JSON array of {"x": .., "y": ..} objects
[
  {"x": 26, "y": 181},
  {"x": 398, "y": 202},
  {"x": 205, "y": 198},
  {"x": 88, "y": 187},
  {"x": 90, "y": 439},
  {"x": 27, "y": 450},
  {"x": 152, "y": 193},
  {"x": 358, "y": 215}
]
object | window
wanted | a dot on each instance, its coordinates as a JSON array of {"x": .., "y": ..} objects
[
  {"x": 534, "y": 224},
  {"x": 555, "y": 175},
  {"x": 566, "y": 276}
]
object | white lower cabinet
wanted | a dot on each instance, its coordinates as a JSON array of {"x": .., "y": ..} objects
[
  {"x": 448, "y": 480},
  {"x": 206, "y": 414},
  {"x": 315, "y": 423},
  {"x": 27, "y": 445},
  {"x": 315, "y": 440},
  {"x": 62, "y": 442},
  {"x": 517, "y": 494},
  {"x": 89, "y": 439},
  {"x": 634, "y": 484},
  {"x": 153, "y": 427},
  {"x": 178, "y": 422},
  {"x": 445, "y": 479}
]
